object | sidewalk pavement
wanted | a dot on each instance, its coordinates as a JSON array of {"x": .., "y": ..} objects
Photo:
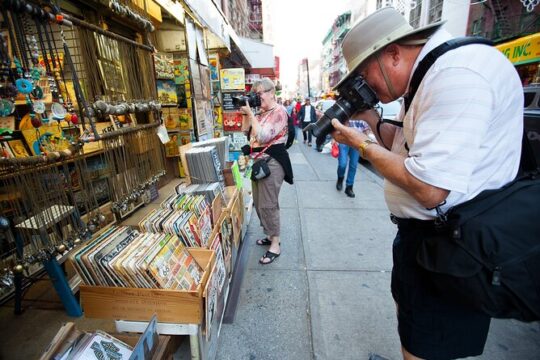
[{"x": 328, "y": 295}]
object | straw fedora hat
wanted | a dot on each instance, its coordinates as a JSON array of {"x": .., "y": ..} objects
[{"x": 374, "y": 32}]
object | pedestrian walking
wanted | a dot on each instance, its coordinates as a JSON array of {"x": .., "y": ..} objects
[
  {"x": 461, "y": 135},
  {"x": 306, "y": 116},
  {"x": 348, "y": 158}
]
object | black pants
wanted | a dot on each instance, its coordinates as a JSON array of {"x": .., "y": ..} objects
[
  {"x": 430, "y": 326},
  {"x": 307, "y": 134}
]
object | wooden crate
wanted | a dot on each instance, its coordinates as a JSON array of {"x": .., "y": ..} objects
[
  {"x": 235, "y": 209},
  {"x": 68, "y": 333},
  {"x": 230, "y": 193},
  {"x": 171, "y": 306}
]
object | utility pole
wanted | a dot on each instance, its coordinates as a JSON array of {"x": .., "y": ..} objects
[{"x": 308, "y": 87}]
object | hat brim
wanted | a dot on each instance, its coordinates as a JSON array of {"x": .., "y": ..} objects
[{"x": 430, "y": 29}]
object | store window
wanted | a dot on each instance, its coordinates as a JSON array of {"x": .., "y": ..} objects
[{"x": 529, "y": 74}]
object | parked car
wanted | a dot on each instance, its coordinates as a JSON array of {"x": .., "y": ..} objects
[
  {"x": 531, "y": 118},
  {"x": 391, "y": 110}
]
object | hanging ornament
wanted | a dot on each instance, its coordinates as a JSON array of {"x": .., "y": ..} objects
[
  {"x": 18, "y": 269},
  {"x": 39, "y": 107},
  {"x": 74, "y": 118},
  {"x": 37, "y": 92},
  {"x": 10, "y": 90},
  {"x": 36, "y": 122},
  {"x": 24, "y": 86},
  {"x": 4, "y": 223},
  {"x": 58, "y": 111},
  {"x": 101, "y": 218},
  {"x": 6, "y": 107}
]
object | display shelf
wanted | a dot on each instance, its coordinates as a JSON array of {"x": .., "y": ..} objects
[
  {"x": 74, "y": 283},
  {"x": 43, "y": 220}
]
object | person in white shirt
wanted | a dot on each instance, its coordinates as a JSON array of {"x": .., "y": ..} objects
[
  {"x": 306, "y": 116},
  {"x": 461, "y": 135}
]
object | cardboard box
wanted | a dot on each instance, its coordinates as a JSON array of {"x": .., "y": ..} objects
[{"x": 171, "y": 306}]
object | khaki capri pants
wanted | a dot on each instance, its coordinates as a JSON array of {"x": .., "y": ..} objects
[{"x": 266, "y": 198}]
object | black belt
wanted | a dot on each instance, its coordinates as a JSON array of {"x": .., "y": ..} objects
[{"x": 416, "y": 223}]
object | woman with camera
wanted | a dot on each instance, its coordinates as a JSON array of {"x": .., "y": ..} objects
[{"x": 267, "y": 133}]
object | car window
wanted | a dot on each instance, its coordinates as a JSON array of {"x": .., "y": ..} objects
[
  {"x": 327, "y": 104},
  {"x": 391, "y": 109},
  {"x": 529, "y": 97}
]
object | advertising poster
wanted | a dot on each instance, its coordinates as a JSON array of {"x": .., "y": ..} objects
[
  {"x": 200, "y": 116},
  {"x": 233, "y": 79},
  {"x": 232, "y": 121}
]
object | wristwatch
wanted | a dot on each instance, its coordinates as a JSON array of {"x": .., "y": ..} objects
[{"x": 363, "y": 146}]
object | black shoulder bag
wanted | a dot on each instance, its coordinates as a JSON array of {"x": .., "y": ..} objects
[
  {"x": 487, "y": 251},
  {"x": 260, "y": 169}
]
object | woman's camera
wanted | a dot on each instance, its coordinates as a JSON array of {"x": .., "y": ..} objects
[{"x": 250, "y": 98}]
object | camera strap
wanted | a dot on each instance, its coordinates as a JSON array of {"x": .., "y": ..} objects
[
  {"x": 422, "y": 69},
  {"x": 276, "y": 138}
]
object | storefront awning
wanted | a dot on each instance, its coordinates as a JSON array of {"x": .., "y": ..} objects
[
  {"x": 220, "y": 34},
  {"x": 174, "y": 8},
  {"x": 259, "y": 55},
  {"x": 209, "y": 15},
  {"x": 524, "y": 50}
]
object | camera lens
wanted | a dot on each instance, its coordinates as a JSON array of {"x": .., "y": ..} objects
[
  {"x": 341, "y": 110},
  {"x": 356, "y": 95}
]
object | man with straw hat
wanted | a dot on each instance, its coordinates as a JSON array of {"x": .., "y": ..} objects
[{"x": 461, "y": 135}]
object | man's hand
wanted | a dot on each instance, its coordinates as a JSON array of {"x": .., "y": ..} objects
[{"x": 346, "y": 135}]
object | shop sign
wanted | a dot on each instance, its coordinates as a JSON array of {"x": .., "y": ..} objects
[
  {"x": 227, "y": 102},
  {"x": 251, "y": 78},
  {"x": 523, "y": 50}
]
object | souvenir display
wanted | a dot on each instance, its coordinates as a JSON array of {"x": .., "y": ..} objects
[
  {"x": 172, "y": 147},
  {"x": 165, "y": 67},
  {"x": 18, "y": 149},
  {"x": 138, "y": 164},
  {"x": 181, "y": 71},
  {"x": 166, "y": 90}
]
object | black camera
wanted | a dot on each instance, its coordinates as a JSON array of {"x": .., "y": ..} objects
[
  {"x": 354, "y": 95},
  {"x": 250, "y": 98}
]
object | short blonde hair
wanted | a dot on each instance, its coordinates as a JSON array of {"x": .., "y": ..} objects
[{"x": 265, "y": 83}]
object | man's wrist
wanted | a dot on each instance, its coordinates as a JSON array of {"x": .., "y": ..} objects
[{"x": 362, "y": 147}]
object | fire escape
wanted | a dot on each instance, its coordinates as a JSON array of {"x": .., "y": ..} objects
[
  {"x": 255, "y": 19},
  {"x": 502, "y": 26}
]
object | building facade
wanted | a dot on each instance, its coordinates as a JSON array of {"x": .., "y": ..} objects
[{"x": 515, "y": 31}]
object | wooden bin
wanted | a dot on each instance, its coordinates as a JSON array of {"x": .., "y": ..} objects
[
  {"x": 68, "y": 333},
  {"x": 135, "y": 304},
  {"x": 235, "y": 209}
]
